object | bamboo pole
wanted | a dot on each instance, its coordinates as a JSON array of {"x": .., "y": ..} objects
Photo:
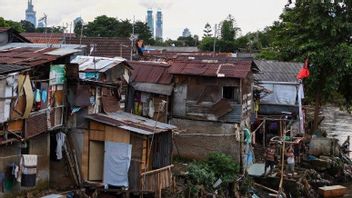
[{"x": 282, "y": 165}]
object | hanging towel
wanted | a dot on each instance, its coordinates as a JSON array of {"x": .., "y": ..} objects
[
  {"x": 151, "y": 108},
  {"x": 60, "y": 140},
  {"x": 30, "y": 160},
  {"x": 28, "y": 169},
  {"x": 37, "y": 95}
]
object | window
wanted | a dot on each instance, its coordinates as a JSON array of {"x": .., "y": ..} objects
[
  {"x": 231, "y": 93},
  {"x": 228, "y": 92}
]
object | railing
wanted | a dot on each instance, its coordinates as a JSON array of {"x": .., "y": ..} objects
[{"x": 156, "y": 180}]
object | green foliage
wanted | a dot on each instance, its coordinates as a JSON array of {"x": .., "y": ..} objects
[
  {"x": 206, "y": 173},
  {"x": 78, "y": 28},
  {"x": 104, "y": 26},
  {"x": 325, "y": 37},
  {"x": 12, "y": 24},
  {"x": 54, "y": 29},
  {"x": 226, "y": 43},
  {"x": 229, "y": 29},
  {"x": 207, "y": 31},
  {"x": 27, "y": 26},
  {"x": 223, "y": 166},
  {"x": 201, "y": 174},
  {"x": 187, "y": 41}
]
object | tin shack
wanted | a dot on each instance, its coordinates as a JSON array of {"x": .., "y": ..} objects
[{"x": 130, "y": 151}]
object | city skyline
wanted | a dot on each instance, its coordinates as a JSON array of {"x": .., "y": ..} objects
[{"x": 177, "y": 14}]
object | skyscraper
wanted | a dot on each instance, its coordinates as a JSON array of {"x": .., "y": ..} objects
[
  {"x": 159, "y": 25},
  {"x": 150, "y": 21},
  {"x": 186, "y": 33},
  {"x": 30, "y": 14}
]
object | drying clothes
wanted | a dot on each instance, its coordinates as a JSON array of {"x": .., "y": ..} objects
[
  {"x": 151, "y": 108},
  {"x": 28, "y": 169},
  {"x": 60, "y": 141},
  {"x": 247, "y": 136},
  {"x": 44, "y": 96},
  {"x": 37, "y": 96}
]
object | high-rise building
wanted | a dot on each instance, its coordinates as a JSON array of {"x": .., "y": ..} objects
[
  {"x": 186, "y": 33},
  {"x": 30, "y": 14},
  {"x": 150, "y": 21},
  {"x": 159, "y": 25}
]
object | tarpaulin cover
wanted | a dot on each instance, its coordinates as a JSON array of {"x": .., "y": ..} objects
[
  {"x": 117, "y": 161},
  {"x": 281, "y": 94}
]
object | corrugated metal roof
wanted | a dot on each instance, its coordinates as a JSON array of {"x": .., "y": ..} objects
[
  {"x": 100, "y": 64},
  {"x": 41, "y": 45},
  {"x": 277, "y": 71},
  {"x": 131, "y": 122},
  {"x": 105, "y": 46},
  {"x": 150, "y": 72},
  {"x": 29, "y": 54},
  {"x": 153, "y": 88},
  {"x": 36, "y": 37},
  {"x": 239, "y": 69},
  {"x": 5, "y": 69}
]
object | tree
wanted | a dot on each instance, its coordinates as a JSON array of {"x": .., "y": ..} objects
[
  {"x": 143, "y": 32},
  {"x": 207, "y": 31},
  {"x": 229, "y": 30},
  {"x": 324, "y": 36},
  {"x": 78, "y": 28},
  {"x": 27, "y": 26},
  {"x": 104, "y": 26},
  {"x": 187, "y": 41},
  {"x": 54, "y": 29},
  {"x": 11, "y": 24}
]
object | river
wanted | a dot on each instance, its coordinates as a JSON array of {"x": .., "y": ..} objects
[{"x": 338, "y": 124}]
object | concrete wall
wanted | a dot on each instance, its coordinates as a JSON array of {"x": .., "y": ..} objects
[
  {"x": 39, "y": 145},
  {"x": 200, "y": 138}
]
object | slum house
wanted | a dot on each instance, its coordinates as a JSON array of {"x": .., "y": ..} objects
[
  {"x": 150, "y": 85},
  {"x": 9, "y": 35},
  {"x": 48, "y": 37},
  {"x": 211, "y": 101},
  {"x": 278, "y": 99},
  {"x": 32, "y": 105},
  {"x": 130, "y": 151},
  {"x": 95, "y": 85},
  {"x": 104, "y": 46}
]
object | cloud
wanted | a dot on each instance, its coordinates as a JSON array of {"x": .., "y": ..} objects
[{"x": 156, "y": 4}]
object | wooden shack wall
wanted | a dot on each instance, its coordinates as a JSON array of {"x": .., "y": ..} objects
[
  {"x": 195, "y": 96},
  {"x": 100, "y": 132},
  {"x": 162, "y": 150}
]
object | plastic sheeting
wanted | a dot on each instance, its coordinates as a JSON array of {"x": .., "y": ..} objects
[
  {"x": 117, "y": 161},
  {"x": 281, "y": 94}
]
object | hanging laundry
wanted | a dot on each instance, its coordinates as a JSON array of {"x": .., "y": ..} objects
[
  {"x": 60, "y": 141},
  {"x": 28, "y": 170},
  {"x": 151, "y": 108}
]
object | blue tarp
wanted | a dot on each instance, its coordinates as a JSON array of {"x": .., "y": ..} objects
[{"x": 117, "y": 161}]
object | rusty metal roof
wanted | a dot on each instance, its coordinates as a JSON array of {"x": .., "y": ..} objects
[
  {"x": 105, "y": 46},
  {"x": 131, "y": 122},
  {"x": 28, "y": 54},
  {"x": 150, "y": 72},
  {"x": 53, "y": 38},
  {"x": 239, "y": 69}
]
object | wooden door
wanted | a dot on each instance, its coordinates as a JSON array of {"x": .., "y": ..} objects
[{"x": 96, "y": 160}]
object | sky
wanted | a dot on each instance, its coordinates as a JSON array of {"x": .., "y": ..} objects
[{"x": 250, "y": 15}]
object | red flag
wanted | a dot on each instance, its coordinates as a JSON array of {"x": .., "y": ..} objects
[{"x": 304, "y": 72}]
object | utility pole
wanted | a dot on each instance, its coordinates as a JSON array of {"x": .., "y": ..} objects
[
  {"x": 215, "y": 35},
  {"x": 132, "y": 37}
]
